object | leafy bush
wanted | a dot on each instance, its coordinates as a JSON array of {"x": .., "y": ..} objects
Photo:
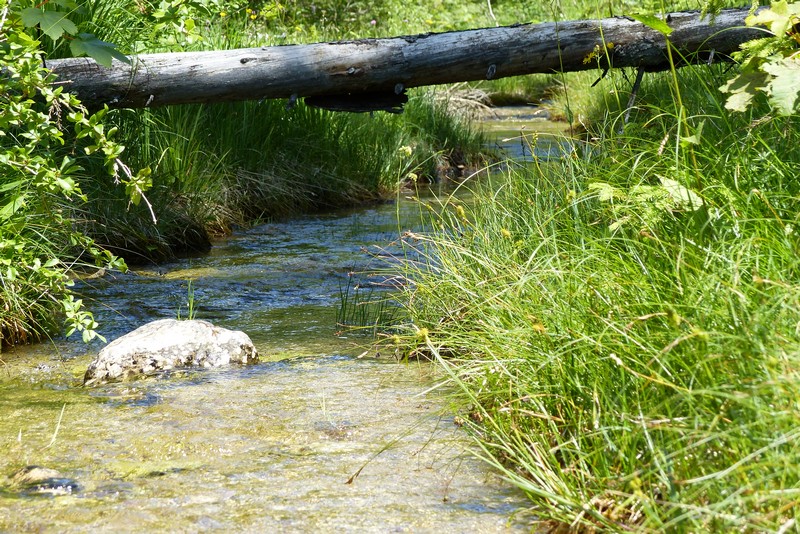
[
  {"x": 771, "y": 65},
  {"x": 45, "y": 136}
]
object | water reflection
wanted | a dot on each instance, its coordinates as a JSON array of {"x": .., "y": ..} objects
[{"x": 268, "y": 447}]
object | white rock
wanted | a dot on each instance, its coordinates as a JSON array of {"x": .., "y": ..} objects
[{"x": 167, "y": 344}]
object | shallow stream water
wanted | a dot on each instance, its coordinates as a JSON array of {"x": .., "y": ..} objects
[{"x": 266, "y": 448}]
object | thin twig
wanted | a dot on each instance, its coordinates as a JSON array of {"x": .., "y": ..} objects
[
  {"x": 632, "y": 98},
  {"x": 3, "y": 16},
  {"x": 58, "y": 426},
  {"x": 129, "y": 174},
  {"x": 491, "y": 13}
]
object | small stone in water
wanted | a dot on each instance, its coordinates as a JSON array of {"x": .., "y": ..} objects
[
  {"x": 169, "y": 344},
  {"x": 36, "y": 480}
]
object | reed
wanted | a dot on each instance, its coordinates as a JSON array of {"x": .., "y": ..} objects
[{"x": 622, "y": 323}]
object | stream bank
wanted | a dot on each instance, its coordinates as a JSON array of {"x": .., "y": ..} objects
[{"x": 263, "y": 448}]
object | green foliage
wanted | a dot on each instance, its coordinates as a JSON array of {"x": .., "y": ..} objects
[
  {"x": 175, "y": 22},
  {"x": 262, "y": 160},
  {"x": 53, "y": 22},
  {"x": 54, "y": 19},
  {"x": 40, "y": 164},
  {"x": 770, "y": 65},
  {"x": 642, "y": 379},
  {"x": 645, "y": 207},
  {"x": 86, "y": 44},
  {"x": 654, "y": 23},
  {"x": 622, "y": 323}
]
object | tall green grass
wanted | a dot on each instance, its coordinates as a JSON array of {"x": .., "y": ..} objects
[
  {"x": 624, "y": 324},
  {"x": 225, "y": 165},
  {"x": 213, "y": 166},
  {"x": 217, "y": 166}
]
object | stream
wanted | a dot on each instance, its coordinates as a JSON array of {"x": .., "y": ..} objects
[{"x": 321, "y": 436}]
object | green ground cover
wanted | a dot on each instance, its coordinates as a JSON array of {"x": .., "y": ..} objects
[
  {"x": 623, "y": 324},
  {"x": 178, "y": 175}
]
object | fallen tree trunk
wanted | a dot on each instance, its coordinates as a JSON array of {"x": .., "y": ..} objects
[{"x": 392, "y": 64}]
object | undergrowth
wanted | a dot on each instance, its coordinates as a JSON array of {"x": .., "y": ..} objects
[
  {"x": 219, "y": 166},
  {"x": 190, "y": 172},
  {"x": 622, "y": 324}
]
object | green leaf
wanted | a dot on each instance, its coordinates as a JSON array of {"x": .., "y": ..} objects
[
  {"x": 779, "y": 18},
  {"x": 31, "y": 16},
  {"x": 654, "y": 23},
  {"x": 16, "y": 203},
  {"x": 743, "y": 88},
  {"x": 11, "y": 185},
  {"x": 683, "y": 197},
  {"x": 53, "y": 23},
  {"x": 695, "y": 138},
  {"x": 605, "y": 192},
  {"x": 67, "y": 185},
  {"x": 785, "y": 84},
  {"x": 86, "y": 44},
  {"x": 616, "y": 225},
  {"x": 739, "y": 101}
]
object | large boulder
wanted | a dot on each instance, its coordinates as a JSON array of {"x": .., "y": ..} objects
[{"x": 167, "y": 344}]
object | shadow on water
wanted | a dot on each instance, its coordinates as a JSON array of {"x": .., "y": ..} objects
[
  {"x": 269, "y": 447},
  {"x": 524, "y": 133}
]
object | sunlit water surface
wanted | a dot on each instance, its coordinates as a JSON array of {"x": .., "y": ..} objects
[{"x": 321, "y": 436}]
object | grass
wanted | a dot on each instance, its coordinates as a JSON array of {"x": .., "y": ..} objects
[
  {"x": 219, "y": 166},
  {"x": 365, "y": 306},
  {"x": 225, "y": 165},
  {"x": 623, "y": 323}
]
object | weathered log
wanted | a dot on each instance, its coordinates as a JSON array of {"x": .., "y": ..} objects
[{"x": 390, "y": 65}]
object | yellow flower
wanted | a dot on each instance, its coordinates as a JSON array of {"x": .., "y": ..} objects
[
  {"x": 505, "y": 233},
  {"x": 223, "y": 14},
  {"x": 405, "y": 150}
]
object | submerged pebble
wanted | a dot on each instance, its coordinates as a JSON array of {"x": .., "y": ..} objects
[{"x": 36, "y": 480}]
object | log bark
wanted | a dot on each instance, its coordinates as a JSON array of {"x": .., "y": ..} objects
[{"x": 390, "y": 65}]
